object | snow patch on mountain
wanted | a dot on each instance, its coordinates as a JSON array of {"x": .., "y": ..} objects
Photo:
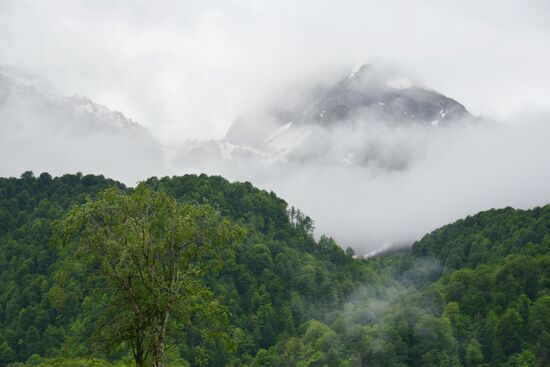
[
  {"x": 286, "y": 140},
  {"x": 278, "y": 132}
]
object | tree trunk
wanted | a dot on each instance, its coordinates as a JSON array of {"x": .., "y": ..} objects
[
  {"x": 158, "y": 356},
  {"x": 140, "y": 362},
  {"x": 139, "y": 353},
  {"x": 160, "y": 345}
]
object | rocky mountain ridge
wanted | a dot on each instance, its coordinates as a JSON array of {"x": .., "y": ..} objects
[{"x": 353, "y": 110}]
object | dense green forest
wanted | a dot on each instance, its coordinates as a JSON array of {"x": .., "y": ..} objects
[{"x": 472, "y": 293}]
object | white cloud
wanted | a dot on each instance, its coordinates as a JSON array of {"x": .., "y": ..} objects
[
  {"x": 451, "y": 173},
  {"x": 187, "y": 68}
]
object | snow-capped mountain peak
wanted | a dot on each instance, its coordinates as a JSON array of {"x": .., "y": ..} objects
[
  {"x": 41, "y": 126},
  {"x": 23, "y": 93},
  {"x": 353, "y": 108}
]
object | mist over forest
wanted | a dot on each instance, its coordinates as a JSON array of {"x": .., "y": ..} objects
[
  {"x": 245, "y": 184},
  {"x": 389, "y": 176}
]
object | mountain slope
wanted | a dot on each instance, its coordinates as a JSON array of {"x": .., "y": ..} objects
[
  {"x": 40, "y": 126},
  {"x": 278, "y": 277},
  {"x": 488, "y": 237},
  {"x": 384, "y": 94},
  {"x": 293, "y": 299},
  {"x": 21, "y": 91},
  {"x": 490, "y": 310},
  {"x": 350, "y": 112}
]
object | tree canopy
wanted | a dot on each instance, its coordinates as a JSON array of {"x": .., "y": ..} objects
[
  {"x": 142, "y": 257},
  {"x": 472, "y": 293}
]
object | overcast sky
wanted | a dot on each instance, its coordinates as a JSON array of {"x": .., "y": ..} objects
[{"x": 185, "y": 69}]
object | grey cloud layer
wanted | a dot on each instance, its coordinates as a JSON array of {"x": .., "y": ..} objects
[{"x": 187, "y": 68}]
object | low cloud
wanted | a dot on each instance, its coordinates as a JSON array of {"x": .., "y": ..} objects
[
  {"x": 416, "y": 179},
  {"x": 43, "y": 131}
]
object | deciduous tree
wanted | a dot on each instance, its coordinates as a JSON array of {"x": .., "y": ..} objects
[{"x": 141, "y": 257}]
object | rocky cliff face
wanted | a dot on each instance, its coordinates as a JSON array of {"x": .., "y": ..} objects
[{"x": 385, "y": 96}]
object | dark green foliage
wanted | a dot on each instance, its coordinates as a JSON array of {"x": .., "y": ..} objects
[
  {"x": 492, "y": 310},
  {"x": 277, "y": 278},
  {"x": 487, "y": 237},
  {"x": 472, "y": 293},
  {"x": 239, "y": 201},
  {"x": 36, "y": 361},
  {"x": 138, "y": 260},
  {"x": 474, "y": 355},
  {"x": 28, "y": 322}
]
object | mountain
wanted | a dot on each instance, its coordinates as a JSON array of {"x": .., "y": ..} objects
[
  {"x": 384, "y": 94},
  {"x": 72, "y": 131},
  {"x": 349, "y": 112},
  {"x": 24, "y": 93},
  {"x": 277, "y": 277},
  {"x": 472, "y": 293}
]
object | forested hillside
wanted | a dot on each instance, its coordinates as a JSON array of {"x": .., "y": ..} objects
[{"x": 473, "y": 293}]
